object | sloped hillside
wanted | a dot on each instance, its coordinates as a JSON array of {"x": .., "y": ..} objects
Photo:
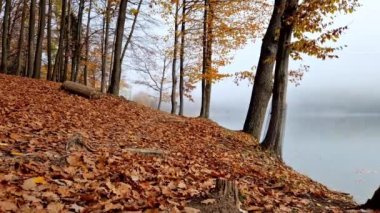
[{"x": 63, "y": 152}]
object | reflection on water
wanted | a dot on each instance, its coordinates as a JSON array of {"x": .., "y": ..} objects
[{"x": 340, "y": 151}]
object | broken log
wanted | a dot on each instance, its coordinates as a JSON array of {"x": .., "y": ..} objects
[
  {"x": 80, "y": 89},
  {"x": 373, "y": 203}
]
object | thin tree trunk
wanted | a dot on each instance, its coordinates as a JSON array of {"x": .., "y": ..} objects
[
  {"x": 85, "y": 71},
  {"x": 105, "y": 49},
  {"x": 68, "y": 45},
  {"x": 57, "y": 72},
  {"x": 182, "y": 59},
  {"x": 40, "y": 38},
  {"x": 208, "y": 86},
  {"x": 263, "y": 84},
  {"x": 174, "y": 64},
  {"x": 272, "y": 140},
  {"x": 49, "y": 54},
  {"x": 116, "y": 71},
  {"x": 132, "y": 30},
  {"x": 32, "y": 21},
  {"x": 77, "y": 53},
  {"x": 5, "y": 39},
  {"x": 204, "y": 56},
  {"x": 162, "y": 85},
  {"x": 21, "y": 38}
]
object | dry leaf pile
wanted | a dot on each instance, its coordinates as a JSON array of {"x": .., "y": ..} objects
[{"x": 61, "y": 152}]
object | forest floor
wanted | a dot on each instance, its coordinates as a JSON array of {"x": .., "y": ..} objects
[{"x": 63, "y": 152}]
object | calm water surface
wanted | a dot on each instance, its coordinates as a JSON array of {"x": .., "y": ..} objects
[{"x": 338, "y": 150}]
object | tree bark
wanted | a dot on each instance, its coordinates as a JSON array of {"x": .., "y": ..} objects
[
  {"x": 204, "y": 63},
  {"x": 373, "y": 203},
  {"x": 80, "y": 89},
  {"x": 32, "y": 21},
  {"x": 208, "y": 86},
  {"x": 40, "y": 38},
  {"x": 105, "y": 48},
  {"x": 5, "y": 39},
  {"x": 21, "y": 38},
  {"x": 174, "y": 64},
  {"x": 272, "y": 141},
  {"x": 77, "y": 53},
  {"x": 49, "y": 54},
  {"x": 162, "y": 81},
  {"x": 85, "y": 69},
  {"x": 263, "y": 83},
  {"x": 116, "y": 70},
  {"x": 57, "y": 72},
  {"x": 182, "y": 59},
  {"x": 68, "y": 45}
]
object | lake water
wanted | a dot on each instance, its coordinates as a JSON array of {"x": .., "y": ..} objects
[{"x": 339, "y": 150}]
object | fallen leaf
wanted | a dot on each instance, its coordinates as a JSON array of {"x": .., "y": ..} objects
[
  {"x": 8, "y": 206},
  {"x": 191, "y": 210},
  {"x": 55, "y": 207},
  {"x": 208, "y": 201},
  {"x": 31, "y": 183}
]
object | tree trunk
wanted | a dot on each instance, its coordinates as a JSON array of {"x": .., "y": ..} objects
[
  {"x": 32, "y": 21},
  {"x": 77, "y": 53},
  {"x": 132, "y": 30},
  {"x": 162, "y": 84},
  {"x": 5, "y": 39},
  {"x": 21, "y": 38},
  {"x": 85, "y": 69},
  {"x": 57, "y": 72},
  {"x": 182, "y": 59},
  {"x": 373, "y": 203},
  {"x": 40, "y": 38},
  {"x": 204, "y": 63},
  {"x": 49, "y": 54},
  {"x": 174, "y": 64},
  {"x": 105, "y": 48},
  {"x": 68, "y": 45},
  {"x": 116, "y": 70},
  {"x": 272, "y": 141},
  {"x": 208, "y": 85},
  {"x": 262, "y": 88}
]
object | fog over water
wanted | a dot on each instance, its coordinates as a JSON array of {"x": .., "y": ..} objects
[{"x": 333, "y": 125}]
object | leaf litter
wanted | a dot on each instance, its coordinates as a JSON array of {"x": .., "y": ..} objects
[{"x": 43, "y": 170}]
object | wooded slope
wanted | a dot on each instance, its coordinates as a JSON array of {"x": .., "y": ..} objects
[{"x": 62, "y": 151}]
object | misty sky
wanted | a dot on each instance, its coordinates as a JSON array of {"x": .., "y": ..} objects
[{"x": 348, "y": 84}]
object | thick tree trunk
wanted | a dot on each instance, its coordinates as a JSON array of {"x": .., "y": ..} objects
[
  {"x": 174, "y": 64},
  {"x": 116, "y": 70},
  {"x": 40, "y": 38},
  {"x": 105, "y": 48},
  {"x": 5, "y": 39},
  {"x": 32, "y": 20},
  {"x": 49, "y": 53},
  {"x": 131, "y": 31},
  {"x": 57, "y": 72},
  {"x": 85, "y": 69},
  {"x": 272, "y": 141},
  {"x": 80, "y": 89},
  {"x": 182, "y": 59},
  {"x": 21, "y": 38},
  {"x": 262, "y": 88},
  {"x": 77, "y": 52}
]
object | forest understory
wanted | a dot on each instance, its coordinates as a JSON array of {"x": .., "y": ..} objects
[{"x": 61, "y": 152}]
